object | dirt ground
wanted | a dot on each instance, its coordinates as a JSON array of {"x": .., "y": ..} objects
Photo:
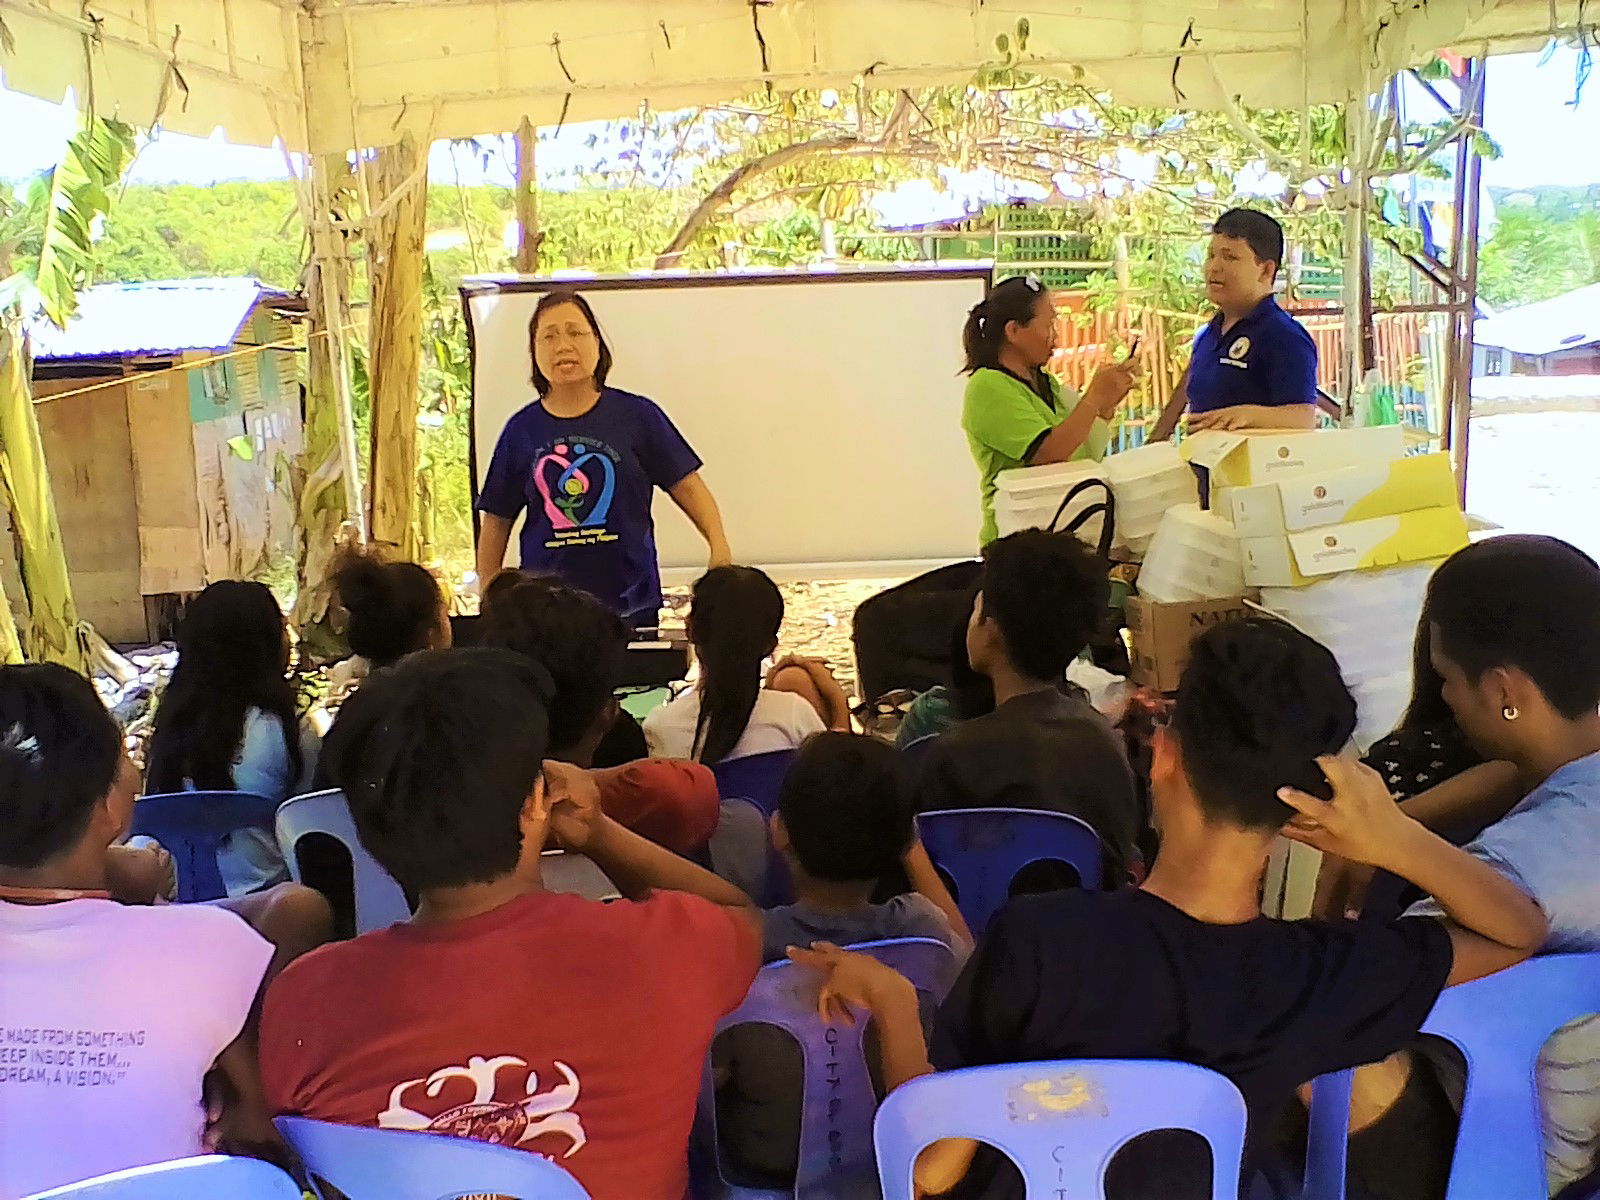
[{"x": 1538, "y": 473}]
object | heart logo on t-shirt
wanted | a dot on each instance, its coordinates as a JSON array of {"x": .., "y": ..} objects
[{"x": 577, "y": 484}]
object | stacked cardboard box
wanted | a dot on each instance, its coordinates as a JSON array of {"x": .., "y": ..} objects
[
  {"x": 1362, "y": 518},
  {"x": 1194, "y": 555},
  {"x": 1337, "y": 529}
]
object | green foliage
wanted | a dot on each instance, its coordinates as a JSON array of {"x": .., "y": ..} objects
[
  {"x": 176, "y": 231},
  {"x": 51, "y": 243},
  {"x": 1537, "y": 253},
  {"x": 54, "y": 230}
]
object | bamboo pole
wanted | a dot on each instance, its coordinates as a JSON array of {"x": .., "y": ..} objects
[
  {"x": 1124, "y": 272},
  {"x": 528, "y": 235},
  {"x": 394, "y": 346},
  {"x": 330, "y": 266}
]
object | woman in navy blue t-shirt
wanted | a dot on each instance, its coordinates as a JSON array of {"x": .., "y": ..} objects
[{"x": 583, "y": 461}]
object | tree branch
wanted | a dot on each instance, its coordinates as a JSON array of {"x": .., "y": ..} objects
[{"x": 673, "y": 252}]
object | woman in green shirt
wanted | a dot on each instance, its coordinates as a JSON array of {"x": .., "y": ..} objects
[{"x": 1016, "y": 414}]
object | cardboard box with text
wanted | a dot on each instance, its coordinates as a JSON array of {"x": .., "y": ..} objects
[
  {"x": 1337, "y": 497},
  {"x": 1162, "y": 634},
  {"x": 1248, "y": 459}
]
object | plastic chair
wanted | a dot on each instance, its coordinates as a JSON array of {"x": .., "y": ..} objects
[
  {"x": 740, "y": 849},
  {"x": 836, "y": 1159},
  {"x": 395, "y": 1164},
  {"x": 191, "y": 825},
  {"x": 982, "y": 849},
  {"x": 380, "y": 901},
  {"x": 1499, "y": 1023},
  {"x": 1061, "y": 1122},
  {"x": 577, "y": 874},
  {"x": 209, "y": 1177},
  {"x": 755, "y": 777}
]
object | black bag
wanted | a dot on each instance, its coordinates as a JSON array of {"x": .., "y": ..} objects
[
  {"x": 1106, "y": 647},
  {"x": 902, "y": 636}
]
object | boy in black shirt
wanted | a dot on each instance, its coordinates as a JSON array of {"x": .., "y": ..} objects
[
  {"x": 1043, "y": 597},
  {"x": 1186, "y": 967}
]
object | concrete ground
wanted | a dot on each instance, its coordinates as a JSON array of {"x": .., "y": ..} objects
[{"x": 1538, "y": 473}]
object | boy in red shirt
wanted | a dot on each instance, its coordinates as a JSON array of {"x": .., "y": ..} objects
[{"x": 544, "y": 1021}]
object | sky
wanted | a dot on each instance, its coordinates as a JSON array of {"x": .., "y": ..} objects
[{"x": 1545, "y": 139}]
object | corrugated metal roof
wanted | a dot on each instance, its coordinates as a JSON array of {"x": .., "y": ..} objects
[
  {"x": 1561, "y": 323},
  {"x": 165, "y": 317}
]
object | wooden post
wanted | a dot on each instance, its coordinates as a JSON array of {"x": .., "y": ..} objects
[
  {"x": 528, "y": 235},
  {"x": 394, "y": 343},
  {"x": 1358, "y": 117}
]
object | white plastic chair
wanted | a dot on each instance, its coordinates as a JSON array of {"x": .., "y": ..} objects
[
  {"x": 575, "y": 873},
  {"x": 380, "y": 901}
]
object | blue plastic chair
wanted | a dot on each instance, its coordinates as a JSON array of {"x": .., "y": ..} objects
[
  {"x": 191, "y": 825},
  {"x": 1061, "y": 1122},
  {"x": 740, "y": 850},
  {"x": 209, "y": 1177},
  {"x": 836, "y": 1159},
  {"x": 393, "y": 1164},
  {"x": 1327, "y": 1137},
  {"x": 380, "y": 901},
  {"x": 755, "y": 777},
  {"x": 1499, "y": 1023},
  {"x": 982, "y": 849}
]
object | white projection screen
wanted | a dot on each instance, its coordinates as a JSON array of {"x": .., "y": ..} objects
[{"x": 826, "y": 405}]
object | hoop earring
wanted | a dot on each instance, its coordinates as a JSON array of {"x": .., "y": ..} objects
[{"x": 1510, "y": 712}]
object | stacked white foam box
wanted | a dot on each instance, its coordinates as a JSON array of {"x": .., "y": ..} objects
[
  {"x": 1147, "y": 482},
  {"x": 1368, "y": 619},
  {"x": 1029, "y": 497},
  {"x": 1194, "y": 555}
]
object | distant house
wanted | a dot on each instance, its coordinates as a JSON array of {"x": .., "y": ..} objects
[
  {"x": 1560, "y": 336},
  {"x": 163, "y": 426}
]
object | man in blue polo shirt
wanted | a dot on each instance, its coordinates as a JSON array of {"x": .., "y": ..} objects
[{"x": 1254, "y": 366}]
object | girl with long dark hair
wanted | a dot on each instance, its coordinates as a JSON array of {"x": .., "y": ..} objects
[
  {"x": 1426, "y": 747},
  {"x": 734, "y": 619},
  {"x": 226, "y": 721}
]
